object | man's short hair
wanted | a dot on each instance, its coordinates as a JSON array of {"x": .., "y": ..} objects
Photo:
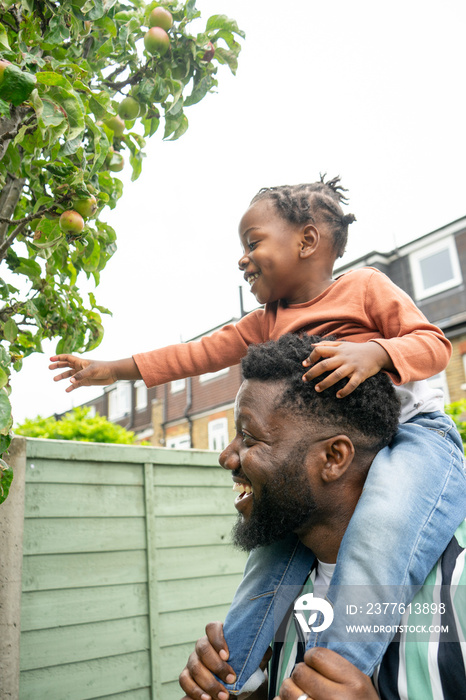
[{"x": 368, "y": 416}]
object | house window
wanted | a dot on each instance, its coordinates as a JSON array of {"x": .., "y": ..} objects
[
  {"x": 218, "y": 434},
  {"x": 179, "y": 442},
  {"x": 435, "y": 268},
  {"x": 177, "y": 385},
  {"x": 439, "y": 381},
  {"x": 213, "y": 375},
  {"x": 119, "y": 401},
  {"x": 141, "y": 395}
]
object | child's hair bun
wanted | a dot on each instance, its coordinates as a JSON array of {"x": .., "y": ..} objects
[{"x": 347, "y": 219}]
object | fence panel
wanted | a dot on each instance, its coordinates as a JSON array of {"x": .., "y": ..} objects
[{"x": 126, "y": 557}]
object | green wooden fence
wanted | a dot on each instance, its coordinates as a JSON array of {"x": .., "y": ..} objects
[{"x": 126, "y": 557}]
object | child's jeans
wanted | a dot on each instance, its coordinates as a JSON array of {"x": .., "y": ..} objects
[{"x": 413, "y": 501}]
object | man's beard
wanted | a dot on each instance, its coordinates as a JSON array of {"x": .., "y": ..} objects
[{"x": 285, "y": 505}]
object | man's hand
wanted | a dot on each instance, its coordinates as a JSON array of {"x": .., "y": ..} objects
[
  {"x": 209, "y": 656},
  {"x": 91, "y": 372},
  {"x": 358, "y": 361},
  {"x": 325, "y": 674}
]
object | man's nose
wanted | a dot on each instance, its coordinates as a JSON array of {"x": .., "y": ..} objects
[{"x": 229, "y": 458}]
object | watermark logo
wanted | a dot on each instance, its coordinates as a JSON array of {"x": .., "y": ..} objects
[{"x": 303, "y": 611}]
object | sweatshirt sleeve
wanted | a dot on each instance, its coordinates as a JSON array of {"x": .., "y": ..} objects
[
  {"x": 224, "y": 348},
  {"x": 417, "y": 348}
]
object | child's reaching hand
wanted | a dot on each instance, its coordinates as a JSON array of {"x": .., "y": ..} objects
[
  {"x": 358, "y": 361},
  {"x": 92, "y": 372}
]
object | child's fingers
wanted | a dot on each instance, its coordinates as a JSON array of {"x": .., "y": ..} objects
[
  {"x": 327, "y": 365},
  {"x": 64, "y": 375},
  {"x": 331, "y": 380},
  {"x": 350, "y": 386},
  {"x": 323, "y": 349}
]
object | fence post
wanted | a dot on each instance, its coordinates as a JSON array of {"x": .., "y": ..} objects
[
  {"x": 154, "y": 621},
  {"x": 11, "y": 562}
]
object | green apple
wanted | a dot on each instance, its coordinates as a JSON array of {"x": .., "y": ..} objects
[
  {"x": 71, "y": 222},
  {"x": 117, "y": 125},
  {"x": 160, "y": 17},
  {"x": 115, "y": 161},
  {"x": 157, "y": 41},
  {"x": 128, "y": 108},
  {"x": 86, "y": 207}
]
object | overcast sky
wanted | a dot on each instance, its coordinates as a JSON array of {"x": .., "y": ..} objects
[{"x": 368, "y": 90}]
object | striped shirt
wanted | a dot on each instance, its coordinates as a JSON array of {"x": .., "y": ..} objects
[{"x": 427, "y": 657}]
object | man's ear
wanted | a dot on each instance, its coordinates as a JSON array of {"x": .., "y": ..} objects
[
  {"x": 310, "y": 240},
  {"x": 339, "y": 455}
]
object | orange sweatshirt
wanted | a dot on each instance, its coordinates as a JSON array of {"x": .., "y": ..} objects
[{"x": 361, "y": 305}]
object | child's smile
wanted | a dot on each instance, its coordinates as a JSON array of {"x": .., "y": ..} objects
[{"x": 270, "y": 262}]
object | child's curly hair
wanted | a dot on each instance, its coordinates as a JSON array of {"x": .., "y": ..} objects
[
  {"x": 369, "y": 415},
  {"x": 311, "y": 202}
]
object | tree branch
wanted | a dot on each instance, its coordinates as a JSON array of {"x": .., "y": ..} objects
[
  {"x": 131, "y": 81},
  {"x": 35, "y": 215},
  {"x": 8, "y": 241},
  {"x": 8, "y": 135},
  {"x": 9, "y": 198},
  {"x": 8, "y": 311}
]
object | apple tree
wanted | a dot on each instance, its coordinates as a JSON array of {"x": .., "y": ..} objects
[{"x": 83, "y": 84}]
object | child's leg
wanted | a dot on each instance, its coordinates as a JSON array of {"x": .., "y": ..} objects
[
  {"x": 273, "y": 578},
  {"x": 413, "y": 501}
]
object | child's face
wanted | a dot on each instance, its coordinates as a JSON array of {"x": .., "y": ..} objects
[{"x": 271, "y": 257}]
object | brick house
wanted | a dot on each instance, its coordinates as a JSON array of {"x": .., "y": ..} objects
[
  {"x": 432, "y": 270},
  {"x": 198, "y": 412}
]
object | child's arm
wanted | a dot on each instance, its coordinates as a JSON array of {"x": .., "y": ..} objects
[
  {"x": 358, "y": 361},
  {"x": 409, "y": 348},
  {"x": 92, "y": 372},
  {"x": 224, "y": 348}
]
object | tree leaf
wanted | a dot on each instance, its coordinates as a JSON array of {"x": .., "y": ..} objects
[
  {"x": 6, "y": 473},
  {"x": 52, "y": 78},
  {"x": 200, "y": 90},
  {"x": 10, "y": 331},
  {"x": 3, "y": 378},
  {"x": 5, "y": 413},
  {"x": 30, "y": 268},
  {"x": 224, "y": 22}
]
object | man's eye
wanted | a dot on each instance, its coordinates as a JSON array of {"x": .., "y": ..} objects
[{"x": 247, "y": 439}]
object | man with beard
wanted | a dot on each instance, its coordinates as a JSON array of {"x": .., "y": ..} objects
[{"x": 300, "y": 461}]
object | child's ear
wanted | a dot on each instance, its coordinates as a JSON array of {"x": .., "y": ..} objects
[{"x": 310, "y": 240}]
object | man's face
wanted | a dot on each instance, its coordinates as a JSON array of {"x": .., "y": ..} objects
[{"x": 269, "y": 459}]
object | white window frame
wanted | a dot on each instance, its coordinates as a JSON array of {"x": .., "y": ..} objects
[
  {"x": 208, "y": 376},
  {"x": 140, "y": 398},
  {"x": 217, "y": 429},
  {"x": 177, "y": 385},
  {"x": 119, "y": 401},
  {"x": 415, "y": 259},
  {"x": 179, "y": 442}
]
